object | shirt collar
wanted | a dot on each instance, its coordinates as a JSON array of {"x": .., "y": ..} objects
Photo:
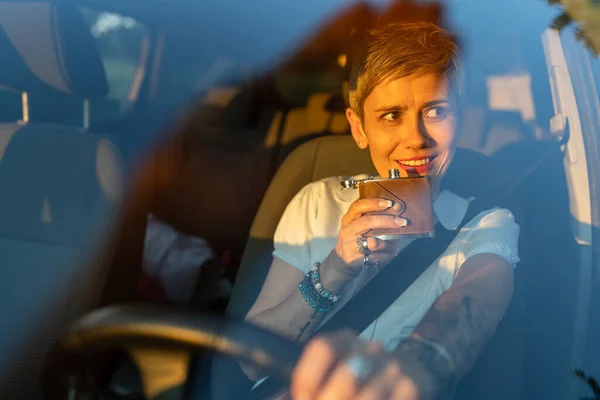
[{"x": 450, "y": 209}]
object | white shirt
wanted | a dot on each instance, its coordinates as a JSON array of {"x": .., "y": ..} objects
[{"x": 309, "y": 229}]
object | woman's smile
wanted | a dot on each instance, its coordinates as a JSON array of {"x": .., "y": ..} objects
[{"x": 419, "y": 164}]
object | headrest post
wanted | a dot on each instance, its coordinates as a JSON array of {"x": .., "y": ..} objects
[
  {"x": 86, "y": 114},
  {"x": 25, "y": 107}
]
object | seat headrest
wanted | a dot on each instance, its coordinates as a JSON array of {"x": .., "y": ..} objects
[{"x": 47, "y": 47}]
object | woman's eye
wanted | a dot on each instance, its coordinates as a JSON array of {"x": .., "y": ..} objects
[
  {"x": 436, "y": 113},
  {"x": 392, "y": 116}
]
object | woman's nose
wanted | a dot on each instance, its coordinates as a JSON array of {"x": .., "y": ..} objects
[{"x": 415, "y": 136}]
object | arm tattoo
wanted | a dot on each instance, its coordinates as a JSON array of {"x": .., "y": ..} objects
[
  {"x": 444, "y": 379},
  {"x": 312, "y": 317},
  {"x": 461, "y": 325}
]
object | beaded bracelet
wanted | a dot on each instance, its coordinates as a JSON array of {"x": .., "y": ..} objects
[
  {"x": 314, "y": 293},
  {"x": 316, "y": 279}
]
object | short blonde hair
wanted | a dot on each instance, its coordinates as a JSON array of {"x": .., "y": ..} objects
[{"x": 402, "y": 49}]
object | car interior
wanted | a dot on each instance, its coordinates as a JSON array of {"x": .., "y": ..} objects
[{"x": 81, "y": 168}]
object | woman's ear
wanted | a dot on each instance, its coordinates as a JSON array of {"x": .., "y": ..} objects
[{"x": 356, "y": 128}]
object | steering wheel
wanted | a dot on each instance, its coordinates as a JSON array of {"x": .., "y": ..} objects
[{"x": 160, "y": 340}]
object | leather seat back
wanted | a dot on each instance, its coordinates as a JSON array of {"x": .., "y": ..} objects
[{"x": 59, "y": 188}]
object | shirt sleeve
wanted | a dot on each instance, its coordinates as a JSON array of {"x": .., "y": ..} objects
[
  {"x": 494, "y": 232},
  {"x": 295, "y": 229}
]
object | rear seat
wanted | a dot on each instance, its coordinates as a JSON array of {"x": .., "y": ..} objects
[
  {"x": 217, "y": 188},
  {"x": 289, "y": 129},
  {"x": 226, "y": 169},
  {"x": 300, "y": 122}
]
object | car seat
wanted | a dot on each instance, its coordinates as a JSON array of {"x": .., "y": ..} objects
[{"x": 58, "y": 187}]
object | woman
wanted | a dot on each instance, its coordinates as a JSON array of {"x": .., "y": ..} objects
[{"x": 402, "y": 98}]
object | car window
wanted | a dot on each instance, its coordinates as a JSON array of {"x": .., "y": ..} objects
[
  {"x": 189, "y": 67},
  {"x": 123, "y": 43}
]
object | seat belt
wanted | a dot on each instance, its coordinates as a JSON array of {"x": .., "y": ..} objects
[{"x": 370, "y": 302}]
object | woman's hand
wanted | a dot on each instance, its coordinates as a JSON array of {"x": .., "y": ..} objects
[
  {"x": 339, "y": 366},
  {"x": 356, "y": 223}
]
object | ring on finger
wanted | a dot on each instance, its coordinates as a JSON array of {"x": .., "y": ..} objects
[
  {"x": 362, "y": 244},
  {"x": 368, "y": 263},
  {"x": 360, "y": 367}
]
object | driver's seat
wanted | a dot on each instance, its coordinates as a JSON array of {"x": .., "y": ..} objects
[{"x": 315, "y": 160}]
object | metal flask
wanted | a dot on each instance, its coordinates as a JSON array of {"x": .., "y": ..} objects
[{"x": 412, "y": 194}]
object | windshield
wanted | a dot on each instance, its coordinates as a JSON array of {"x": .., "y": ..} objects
[{"x": 230, "y": 158}]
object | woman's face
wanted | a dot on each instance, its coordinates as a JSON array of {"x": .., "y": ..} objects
[{"x": 408, "y": 124}]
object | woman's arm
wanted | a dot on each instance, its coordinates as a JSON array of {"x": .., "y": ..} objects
[
  {"x": 280, "y": 306},
  {"x": 464, "y": 317},
  {"x": 461, "y": 320}
]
